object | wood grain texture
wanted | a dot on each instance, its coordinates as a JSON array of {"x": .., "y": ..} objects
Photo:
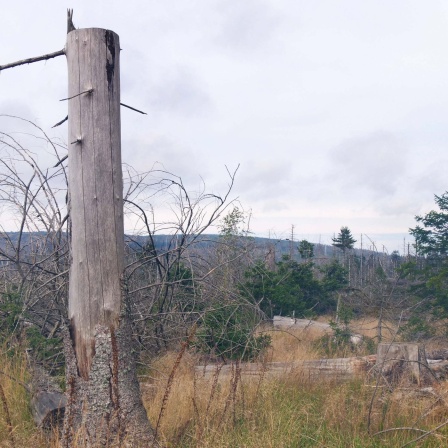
[
  {"x": 338, "y": 369},
  {"x": 95, "y": 187},
  {"x": 403, "y": 361}
]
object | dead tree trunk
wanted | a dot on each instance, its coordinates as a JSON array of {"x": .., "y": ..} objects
[
  {"x": 104, "y": 405},
  {"x": 95, "y": 187},
  {"x": 403, "y": 362}
]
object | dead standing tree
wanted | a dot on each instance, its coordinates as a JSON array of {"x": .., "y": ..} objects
[{"x": 104, "y": 403}]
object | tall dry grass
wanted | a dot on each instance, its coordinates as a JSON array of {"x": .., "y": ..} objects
[
  {"x": 290, "y": 344},
  {"x": 17, "y": 428},
  {"x": 288, "y": 411},
  {"x": 253, "y": 411}
]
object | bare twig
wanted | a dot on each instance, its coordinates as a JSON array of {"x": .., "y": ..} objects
[
  {"x": 61, "y": 161},
  {"x": 428, "y": 433},
  {"x": 132, "y": 108},
  {"x": 74, "y": 96},
  {"x": 31, "y": 60},
  {"x": 369, "y": 417},
  {"x": 60, "y": 122},
  {"x": 404, "y": 428}
]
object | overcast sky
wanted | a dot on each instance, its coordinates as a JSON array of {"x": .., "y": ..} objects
[{"x": 336, "y": 111}]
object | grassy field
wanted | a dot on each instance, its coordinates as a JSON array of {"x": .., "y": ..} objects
[
  {"x": 235, "y": 411},
  {"x": 288, "y": 411}
]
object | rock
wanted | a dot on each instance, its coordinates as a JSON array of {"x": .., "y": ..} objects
[
  {"x": 48, "y": 408},
  {"x": 47, "y": 399}
]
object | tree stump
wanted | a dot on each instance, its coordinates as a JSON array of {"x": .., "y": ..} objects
[{"x": 403, "y": 363}]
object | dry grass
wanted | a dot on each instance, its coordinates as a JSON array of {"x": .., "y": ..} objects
[
  {"x": 259, "y": 411},
  {"x": 16, "y": 426},
  {"x": 291, "y": 344},
  {"x": 179, "y": 406},
  {"x": 287, "y": 412},
  {"x": 368, "y": 326}
]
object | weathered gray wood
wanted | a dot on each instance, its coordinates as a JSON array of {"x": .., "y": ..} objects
[
  {"x": 95, "y": 187},
  {"x": 338, "y": 369},
  {"x": 300, "y": 324},
  {"x": 438, "y": 354},
  {"x": 403, "y": 361},
  {"x": 291, "y": 323},
  {"x": 104, "y": 402},
  {"x": 439, "y": 368}
]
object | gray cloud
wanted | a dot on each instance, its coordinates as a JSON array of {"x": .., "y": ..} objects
[
  {"x": 160, "y": 152},
  {"x": 266, "y": 181},
  {"x": 245, "y": 26},
  {"x": 17, "y": 108},
  {"x": 251, "y": 74},
  {"x": 180, "y": 92},
  {"x": 432, "y": 177},
  {"x": 374, "y": 164}
]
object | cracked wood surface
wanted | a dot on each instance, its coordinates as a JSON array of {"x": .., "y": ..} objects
[{"x": 95, "y": 187}]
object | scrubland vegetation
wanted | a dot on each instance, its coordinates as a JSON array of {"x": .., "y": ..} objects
[
  {"x": 255, "y": 411},
  {"x": 195, "y": 300},
  {"x": 288, "y": 411}
]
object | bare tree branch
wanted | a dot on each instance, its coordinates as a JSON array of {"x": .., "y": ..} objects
[
  {"x": 132, "y": 108},
  {"x": 60, "y": 122},
  {"x": 31, "y": 60}
]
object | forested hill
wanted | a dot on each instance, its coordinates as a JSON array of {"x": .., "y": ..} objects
[{"x": 170, "y": 242}]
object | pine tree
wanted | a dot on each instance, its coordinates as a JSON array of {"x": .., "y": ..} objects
[
  {"x": 344, "y": 240},
  {"x": 429, "y": 270},
  {"x": 306, "y": 249}
]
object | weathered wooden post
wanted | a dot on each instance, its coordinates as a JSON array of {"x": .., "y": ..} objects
[
  {"x": 104, "y": 406},
  {"x": 104, "y": 403},
  {"x": 95, "y": 187}
]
